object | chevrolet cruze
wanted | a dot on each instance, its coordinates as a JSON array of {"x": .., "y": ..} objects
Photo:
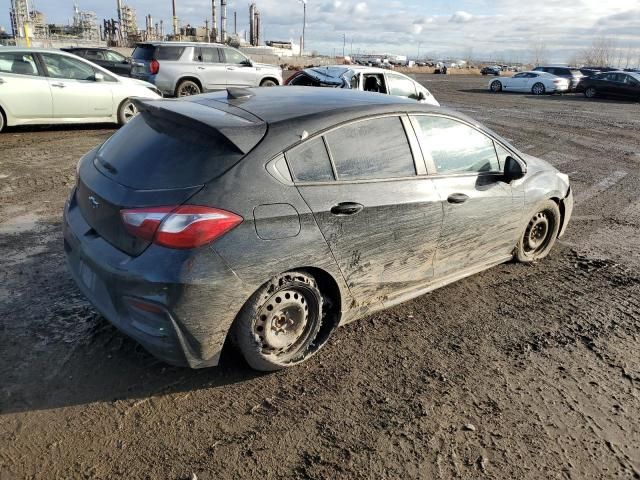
[{"x": 272, "y": 216}]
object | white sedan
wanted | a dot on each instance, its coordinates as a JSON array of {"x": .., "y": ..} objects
[
  {"x": 54, "y": 87},
  {"x": 537, "y": 83}
]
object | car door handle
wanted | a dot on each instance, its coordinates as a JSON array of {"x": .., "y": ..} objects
[
  {"x": 2, "y": 81},
  {"x": 201, "y": 68},
  {"x": 231, "y": 68},
  {"x": 457, "y": 198},
  {"x": 59, "y": 85},
  {"x": 346, "y": 208}
]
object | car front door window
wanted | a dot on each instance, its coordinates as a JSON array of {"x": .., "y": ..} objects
[
  {"x": 455, "y": 147},
  {"x": 400, "y": 86},
  {"x": 234, "y": 57},
  {"x": 60, "y": 66}
]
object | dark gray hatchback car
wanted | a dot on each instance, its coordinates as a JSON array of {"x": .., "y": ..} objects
[{"x": 272, "y": 216}]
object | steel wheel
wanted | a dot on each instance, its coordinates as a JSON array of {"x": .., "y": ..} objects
[
  {"x": 284, "y": 321},
  {"x": 268, "y": 83},
  {"x": 188, "y": 88},
  {"x": 281, "y": 325},
  {"x": 496, "y": 86},
  {"x": 536, "y": 237},
  {"x": 590, "y": 92},
  {"x": 538, "y": 89},
  {"x": 540, "y": 233}
]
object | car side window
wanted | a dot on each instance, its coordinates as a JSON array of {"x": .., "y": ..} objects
[
  {"x": 170, "y": 53},
  {"x": 400, "y": 86},
  {"x": 207, "y": 55},
  {"x": 234, "y": 57},
  {"x": 60, "y": 66},
  {"x": 354, "y": 82},
  {"x": 94, "y": 55},
  {"x": 455, "y": 147},
  {"x": 371, "y": 149},
  {"x": 114, "y": 57},
  {"x": 520, "y": 75},
  {"x": 18, "y": 63},
  {"x": 310, "y": 162}
]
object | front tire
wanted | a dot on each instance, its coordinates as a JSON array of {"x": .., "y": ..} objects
[
  {"x": 538, "y": 89},
  {"x": 186, "y": 88},
  {"x": 126, "y": 112},
  {"x": 540, "y": 234},
  {"x": 590, "y": 92},
  {"x": 496, "y": 86},
  {"x": 278, "y": 325},
  {"x": 268, "y": 83}
]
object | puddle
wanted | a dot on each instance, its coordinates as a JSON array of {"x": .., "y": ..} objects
[{"x": 20, "y": 224}]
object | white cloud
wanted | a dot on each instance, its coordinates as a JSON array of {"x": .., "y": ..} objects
[{"x": 461, "y": 17}]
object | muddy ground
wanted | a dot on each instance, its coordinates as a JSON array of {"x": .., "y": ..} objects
[{"x": 518, "y": 372}]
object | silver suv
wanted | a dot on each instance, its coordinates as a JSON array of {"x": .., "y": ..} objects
[{"x": 185, "y": 68}]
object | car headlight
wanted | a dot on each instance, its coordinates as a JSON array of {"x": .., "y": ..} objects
[{"x": 155, "y": 90}]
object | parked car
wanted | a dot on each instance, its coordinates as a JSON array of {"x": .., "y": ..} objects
[
  {"x": 493, "y": 70},
  {"x": 109, "y": 59},
  {"x": 572, "y": 74},
  {"x": 183, "y": 69},
  {"x": 292, "y": 211},
  {"x": 51, "y": 87},
  {"x": 369, "y": 79},
  {"x": 616, "y": 84},
  {"x": 535, "y": 82}
]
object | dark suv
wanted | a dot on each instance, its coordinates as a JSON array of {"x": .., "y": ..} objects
[
  {"x": 273, "y": 215},
  {"x": 109, "y": 59},
  {"x": 572, "y": 74}
]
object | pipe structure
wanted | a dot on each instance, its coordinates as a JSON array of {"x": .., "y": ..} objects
[
  {"x": 175, "y": 20},
  {"x": 223, "y": 21},
  {"x": 214, "y": 22}
]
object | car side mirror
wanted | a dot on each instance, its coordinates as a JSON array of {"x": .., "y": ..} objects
[
  {"x": 98, "y": 77},
  {"x": 127, "y": 60},
  {"x": 421, "y": 96},
  {"x": 247, "y": 63},
  {"x": 513, "y": 170}
]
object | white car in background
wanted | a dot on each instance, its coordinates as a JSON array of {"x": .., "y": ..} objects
[
  {"x": 53, "y": 87},
  {"x": 368, "y": 79},
  {"x": 537, "y": 83}
]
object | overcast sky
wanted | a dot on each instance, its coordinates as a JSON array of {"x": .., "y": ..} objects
[{"x": 441, "y": 28}]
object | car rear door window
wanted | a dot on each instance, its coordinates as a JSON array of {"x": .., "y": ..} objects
[
  {"x": 18, "y": 62},
  {"x": 455, "y": 147},
  {"x": 400, "y": 86},
  {"x": 371, "y": 149},
  {"x": 310, "y": 162},
  {"x": 207, "y": 55}
]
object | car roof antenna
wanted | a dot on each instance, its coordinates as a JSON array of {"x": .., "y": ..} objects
[{"x": 235, "y": 93}]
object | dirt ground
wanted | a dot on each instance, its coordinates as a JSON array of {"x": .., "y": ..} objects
[{"x": 518, "y": 372}]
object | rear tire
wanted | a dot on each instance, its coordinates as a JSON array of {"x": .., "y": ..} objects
[
  {"x": 540, "y": 234},
  {"x": 268, "y": 83},
  {"x": 126, "y": 112},
  {"x": 538, "y": 89},
  {"x": 278, "y": 325},
  {"x": 590, "y": 92},
  {"x": 187, "y": 88},
  {"x": 496, "y": 86},
  {"x": 3, "y": 121}
]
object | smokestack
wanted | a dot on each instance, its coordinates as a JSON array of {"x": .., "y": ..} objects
[
  {"x": 252, "y": 23},
  {"x": 175, "y": 20},
  {"x": 257, "y": 28},
  {"x": 214, "y": 24},
  {"x": 235, "y": 23},
  {"x": 223, "y": 21}
]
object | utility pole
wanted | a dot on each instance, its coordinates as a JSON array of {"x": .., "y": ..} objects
[
  {"x": 304, "y": 25},
  {"x": 235, "y": 22},
  {"x": 344, "y": 43},
  {"x": 419, "y": 43}
]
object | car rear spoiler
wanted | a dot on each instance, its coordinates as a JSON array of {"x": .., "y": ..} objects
[{"x": 240, "y": 131}]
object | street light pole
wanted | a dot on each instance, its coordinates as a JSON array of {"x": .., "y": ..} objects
[
  {"x": 344, "y": 43},
  {"x": 419, "y": 43},
  {"x": 304, "y": 24}
]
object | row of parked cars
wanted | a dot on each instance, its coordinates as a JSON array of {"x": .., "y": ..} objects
[
  {"x": 85, "y": 85},
  {"x": 552, "y": 79}
]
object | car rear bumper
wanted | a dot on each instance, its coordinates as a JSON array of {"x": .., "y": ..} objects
[{"x": 179, "y": 305}]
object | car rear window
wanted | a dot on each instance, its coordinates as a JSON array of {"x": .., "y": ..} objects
[
  {"x": 153, "y": 152},
  {"x": 161, "y": 52},
  {"x": 371, "y": 149},
  {"x": 310, "y": 162}
]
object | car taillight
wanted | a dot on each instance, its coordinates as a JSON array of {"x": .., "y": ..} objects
[
  {"x": 154, "y": 66},
  {"x": 558, "y": 82},
  {"x": 187, "y": 226}
]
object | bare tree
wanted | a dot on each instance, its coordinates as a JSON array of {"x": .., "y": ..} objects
[
  {"x": 468, "y": 56},
  {"x": 602, "y": 52},
  {"x": 539, "y": 53}
]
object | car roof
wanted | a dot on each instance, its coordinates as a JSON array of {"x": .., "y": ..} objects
[
  {"x": 339, "y": 70},
  {"x": 179, "y": 44}
]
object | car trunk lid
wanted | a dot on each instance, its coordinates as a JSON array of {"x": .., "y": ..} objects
[{"x": 161, "y": 158}]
